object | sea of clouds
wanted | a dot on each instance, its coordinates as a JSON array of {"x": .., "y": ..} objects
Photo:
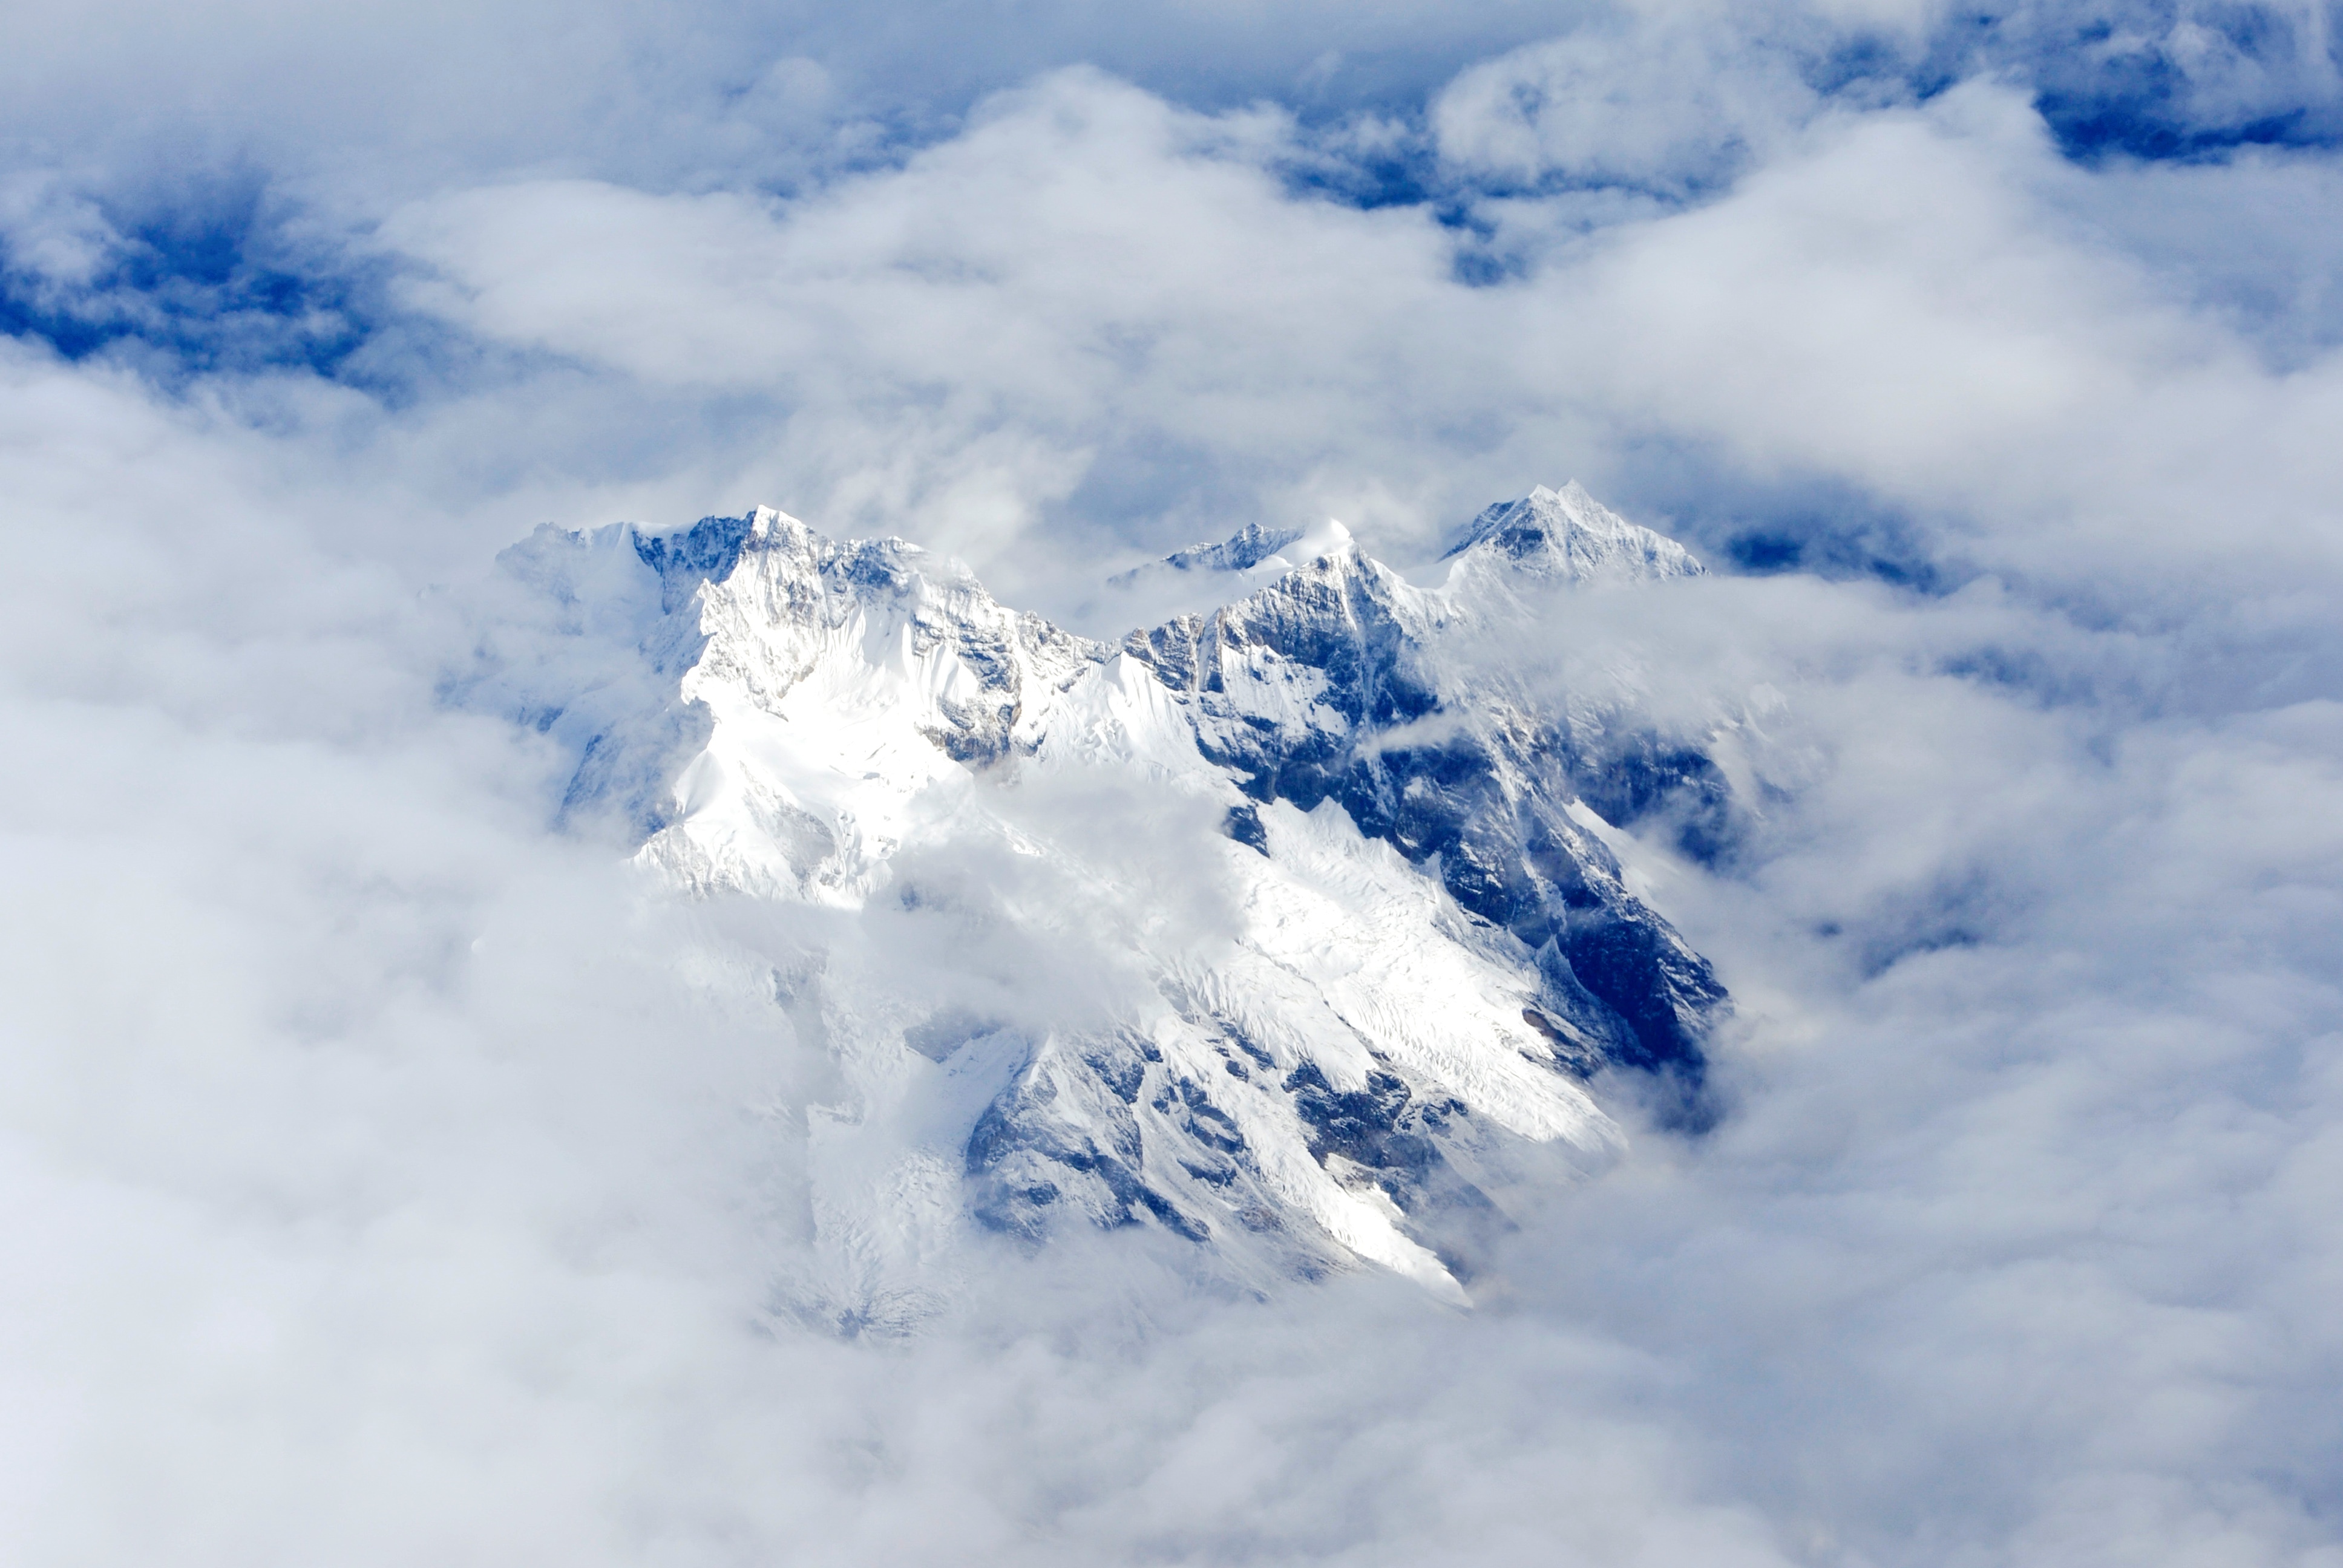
[{"x": 388, "y": 1177}]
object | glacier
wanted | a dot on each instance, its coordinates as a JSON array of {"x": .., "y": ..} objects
[{"x": 1281, "y": 927}]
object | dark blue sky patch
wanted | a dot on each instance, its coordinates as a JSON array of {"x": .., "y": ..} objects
[
  {"x": 1404, "y": 174},
  {"x": 204, "y": 277},
  {"x": 1832, "y": 546},
  {"x": 214, "y": 273},
  {"x": 2091, "y": 129},
  {"x": 1761, "y": 526},
  {"x": 1868, "y": 64},
  {"x": 2158, "y": 82},
  {"x": 1822, "y": 528},
  {"x": 2151, "y": 81}
]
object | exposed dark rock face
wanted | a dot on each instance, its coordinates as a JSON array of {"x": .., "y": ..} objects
[
  {"x": 1256, "y": 1101},
  {"x": 1026, "y": 1151},
  {"x": 1327, "y": 685}
]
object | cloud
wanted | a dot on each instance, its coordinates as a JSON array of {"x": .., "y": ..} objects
[
  {"x": 393, "y": 1178},
  {"x": 1670, "y": 106},
  {"x": 1096, "y": 314}
]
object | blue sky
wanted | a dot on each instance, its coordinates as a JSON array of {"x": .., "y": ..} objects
[
  {"x": 217, "y": 199},
  {"x": 368, "y": 1193}
]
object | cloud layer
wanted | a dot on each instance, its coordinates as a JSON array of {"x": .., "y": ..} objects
[{"x": 389, "y": 1176}]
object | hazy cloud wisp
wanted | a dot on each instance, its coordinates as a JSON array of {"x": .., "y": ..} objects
[{"x": 393, "y": 1177}]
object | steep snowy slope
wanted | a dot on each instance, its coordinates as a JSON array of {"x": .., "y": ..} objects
[{"x": 1273, "y": 928}]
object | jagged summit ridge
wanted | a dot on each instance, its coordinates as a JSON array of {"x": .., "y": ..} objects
[
  {"x": 1248, "y": 547},
  {"x": 1418, "y": 952},
  {"x": 811, "y": 690},
  {"x": 1201, "y": 578},
  {"x": 1569, "y": 535}
]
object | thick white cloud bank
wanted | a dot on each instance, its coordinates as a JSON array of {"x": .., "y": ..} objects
[{"x": 391, "y": 1177}]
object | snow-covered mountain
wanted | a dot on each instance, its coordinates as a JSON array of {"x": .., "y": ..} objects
[
  {"x": 1203, "y": 577},
  {"x": 1565, "y": 535},
  {"x": 1280, "y": 928}
]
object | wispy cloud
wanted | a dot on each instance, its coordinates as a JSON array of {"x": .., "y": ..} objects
[{"x": 393, "y": 1178}]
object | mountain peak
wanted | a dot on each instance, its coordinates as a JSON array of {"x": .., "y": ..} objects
[
  {"x": 1242, "y": 551},
  {"x": 1569, "y": 535},
  {"x": 1201, "y": 578},
  {"x": 1253, "y": 549},
  {"x": 1353, "y": 951}
]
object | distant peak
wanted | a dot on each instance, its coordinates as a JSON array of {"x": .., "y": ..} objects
[
  {"x": 1569, "y": 535},
  {"x": 1253, "y": 547},
  {"x": 1254, "y": 553},
  {"x": 1241, "y": 551}
]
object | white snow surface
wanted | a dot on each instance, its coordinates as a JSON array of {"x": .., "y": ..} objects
[
  {"x": 1203, "y": 577},
  {"x": 1563, "y": 534},
  {"x": 797, "y": 720}
]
